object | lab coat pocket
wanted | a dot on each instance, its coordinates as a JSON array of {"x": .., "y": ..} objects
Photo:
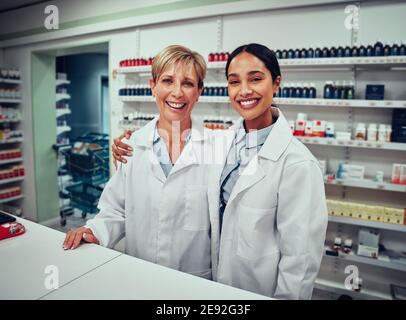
[
  {"x": 197, "y": 209},
  {"x": 255, "y": 232}
]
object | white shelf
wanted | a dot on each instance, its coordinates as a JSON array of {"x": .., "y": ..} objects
[
  {"x": 343, "y": 103},
  {"x": 367, "y": 184},
  {"x": 12, "y": 141},
  {"x": 9, "y": 121},
  {"x": 62, "y": 96},
  {"x": 388, "y": 264},
  {"x": 10, "y": 81},
  {"x": 137, "y": 98},
  {"x": 140, "y": 69},
  {"x": 388, "y": 104},
  {"x": 353, "y": 143},
  {"x": 62, "y": 129},
  {"x": 11, "y": 199},
  {"x": 367, "y": 223},
  {"x": 14, "y": 160},
  {"x": 214, "y": 99},
  {"x": 2, "y": 100},
  {"x": 62, "y": 112},
  {"x": 60, "y": 82},
  {"x": 329, "y": 62},
  {"x": 339, "y": 288},
  {"x": 4, "y": 181}
]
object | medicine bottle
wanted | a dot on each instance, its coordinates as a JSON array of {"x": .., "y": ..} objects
[
  {"x": 360, "y": 132},
  {"x": 328, "y": 90},
  {"x": 372, "y": 132},
  {"x": 382, "y": 133}
]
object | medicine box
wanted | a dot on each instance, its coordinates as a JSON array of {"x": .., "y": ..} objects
[{"x": 368, "y": 243}]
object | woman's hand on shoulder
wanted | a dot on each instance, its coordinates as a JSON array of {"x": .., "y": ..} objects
[{"x": 121, "y": 149}]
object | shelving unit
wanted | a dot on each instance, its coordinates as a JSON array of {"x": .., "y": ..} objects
[
  {"x": 367, "y": 184},
  {"x": 12, "y": 204},
  {"x": 62, "y": 112},
  {"x": 11, "y": 199},
  {"x": 388, "y": 62},
  {"x": 368, "y": 224},
  {"x": 5, "y": 181},
  {"x": 380, "y": 262},
  {"x": 10, "y": 101}
]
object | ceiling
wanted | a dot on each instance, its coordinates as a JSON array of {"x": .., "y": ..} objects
[{"x": 8, "y": 5}]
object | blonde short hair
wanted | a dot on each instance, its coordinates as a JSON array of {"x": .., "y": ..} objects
[{"x": 174, "y": 54}]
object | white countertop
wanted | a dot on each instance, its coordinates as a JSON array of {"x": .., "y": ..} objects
[
  {"x": 127, "y": 277},
  {"x": 95, "y": 272},
  {"x": 24, "y": 260}
]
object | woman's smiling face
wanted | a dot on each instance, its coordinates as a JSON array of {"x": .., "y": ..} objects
[
  {"x": 251, "y": 88},
  {"x": 176, "y": 91}
]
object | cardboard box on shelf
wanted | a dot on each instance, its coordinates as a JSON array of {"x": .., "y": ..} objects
[{"x": 368, "y": 243}]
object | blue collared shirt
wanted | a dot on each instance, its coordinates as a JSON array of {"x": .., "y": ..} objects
[
  {"x": 245, "y": 146},
  {"x": 161, "y": 151}
]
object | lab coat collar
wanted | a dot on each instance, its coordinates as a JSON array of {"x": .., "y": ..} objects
[
  {"x": 278, "y": 139},
  {"x": 145, "y": 136},
  {"x": 274, "y": 146}
]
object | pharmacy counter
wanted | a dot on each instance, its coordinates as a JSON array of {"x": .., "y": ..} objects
[
  {"x": 127, "y": 277},
  {"x": 32, "y": 262}
]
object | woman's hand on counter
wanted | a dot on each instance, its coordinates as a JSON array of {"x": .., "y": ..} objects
[{"x": 74, "y": 237}]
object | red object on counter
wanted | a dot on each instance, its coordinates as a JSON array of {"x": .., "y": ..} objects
[{"x": 10, "y": 230}]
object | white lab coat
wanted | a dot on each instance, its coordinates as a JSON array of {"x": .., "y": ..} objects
[
  {"x": 275, "y": 221},
  {"x": 165, "y": 220}
]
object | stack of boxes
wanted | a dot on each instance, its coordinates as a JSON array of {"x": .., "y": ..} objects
[
  {"x": 10, "y": 192},
  {"x": 366, "y": 212},
  {"x": 12, "y": 172}
]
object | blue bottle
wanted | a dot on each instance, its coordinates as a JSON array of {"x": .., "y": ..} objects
[
  {"x": 328, "y": 90},
  {"x": 395, "y": 50},
  {"x": 336, "y": 92},
  {"x": 278, "y": 54},
  {"x": 296, "y": 54},
  {"x": 378, "y": 49},
  {"x": 333, "y": 52},
  {"x": 286, "y": 91},
  {"x": 299, "y": 91},
  {"x": 284, "y": 54},
  {"x": 402, "y": 50},
  {"x": 303, "y": 53},
  {"x": 291, "y": 54},
  {"x": 305, "y": 92},
  {"x": 317, "y": 53},
  {"x": 310, "y": 53},
  {"x": 292, "y": 91},
  {"x": 387, "y": 50},
  {"x": 354, "y": 51},
  {"x": 340, "y": 52},
  {"x": 362, "y": 51},
  {"x": 370, "y": 51},
  {"x": 312, "y": 91},
  {"x": 325, "y": 53},
  {"x": 347, "y": 51}
]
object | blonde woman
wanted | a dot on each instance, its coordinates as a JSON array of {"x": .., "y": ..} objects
[
  {"x": 158, "y": 200},
  {"x": 267, "y": 201}
]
